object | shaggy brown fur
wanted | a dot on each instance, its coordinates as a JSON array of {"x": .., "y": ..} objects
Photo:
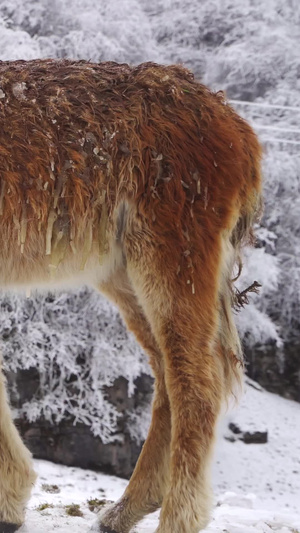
[{"x": 144, "y": 183}]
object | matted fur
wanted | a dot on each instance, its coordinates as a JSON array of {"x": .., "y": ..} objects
[{"x": 142, "y": 182}]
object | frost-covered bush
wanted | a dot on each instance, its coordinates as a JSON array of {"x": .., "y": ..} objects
[
  {"x": 282, "y": 197},
  {"x": 254, "y": 323},
  {"x": 90, "y": 29},
  {"x": 78, "y": 344}
]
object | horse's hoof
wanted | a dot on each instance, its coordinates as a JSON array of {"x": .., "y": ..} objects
[
  {"x": 101, "y": 528},
  {"x": 106, "y": 529},
  {"x": 5, "y": 527}
]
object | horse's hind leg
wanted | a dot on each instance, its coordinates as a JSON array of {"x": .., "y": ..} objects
[
  {"x": 16, "y": 472},
  {"x": 147, "y": 485},
  {"x": 182, "y": 308}
]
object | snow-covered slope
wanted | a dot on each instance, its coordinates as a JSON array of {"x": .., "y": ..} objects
[{"x": 257, "y": 486}]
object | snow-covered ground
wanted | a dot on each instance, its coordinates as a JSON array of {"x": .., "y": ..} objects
[{"x": 257, "y": 486}]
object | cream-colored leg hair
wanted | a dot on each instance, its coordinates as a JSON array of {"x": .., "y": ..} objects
[
  {"x": 149, "y": 480},
  {"x": 16, "y": 471},
  {"x": 185, "y": 325}
]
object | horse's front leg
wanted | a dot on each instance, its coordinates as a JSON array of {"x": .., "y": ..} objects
[
  {"x": 16, "y": 471},
  {"x": 149, "y": 480}
]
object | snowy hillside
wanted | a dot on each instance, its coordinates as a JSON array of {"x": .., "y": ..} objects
[{"x": 257, "y": 486}]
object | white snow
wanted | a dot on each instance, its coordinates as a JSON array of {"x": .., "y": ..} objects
[
  {"x": 257, "y": 486},
  {"x": 271, "y": 471}
]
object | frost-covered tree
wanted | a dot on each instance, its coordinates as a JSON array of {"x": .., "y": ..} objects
[
  {"x": 282, "y": 197},
  {"x": 89, "y": 29},
  {"x": 79, "y": 346}
]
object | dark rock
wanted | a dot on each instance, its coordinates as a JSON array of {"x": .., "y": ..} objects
[
  {"x": 248, "y": 437},
  {"x": 277, "y": 370},
  {"x": 255, "y": 437},
  {"x": 8, "y": 528},
  {"x": 75, "y": 445},
  {"x": 234, "y": 428}
]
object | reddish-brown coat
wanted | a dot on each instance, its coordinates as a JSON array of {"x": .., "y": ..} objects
[{"x": 143, "y": 182}]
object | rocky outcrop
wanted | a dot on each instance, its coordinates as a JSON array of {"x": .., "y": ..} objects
[
  {"x": 247, "y": 436},
  {"x": 75, "y": 445},
  {"x": 276, "y": 372}
]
